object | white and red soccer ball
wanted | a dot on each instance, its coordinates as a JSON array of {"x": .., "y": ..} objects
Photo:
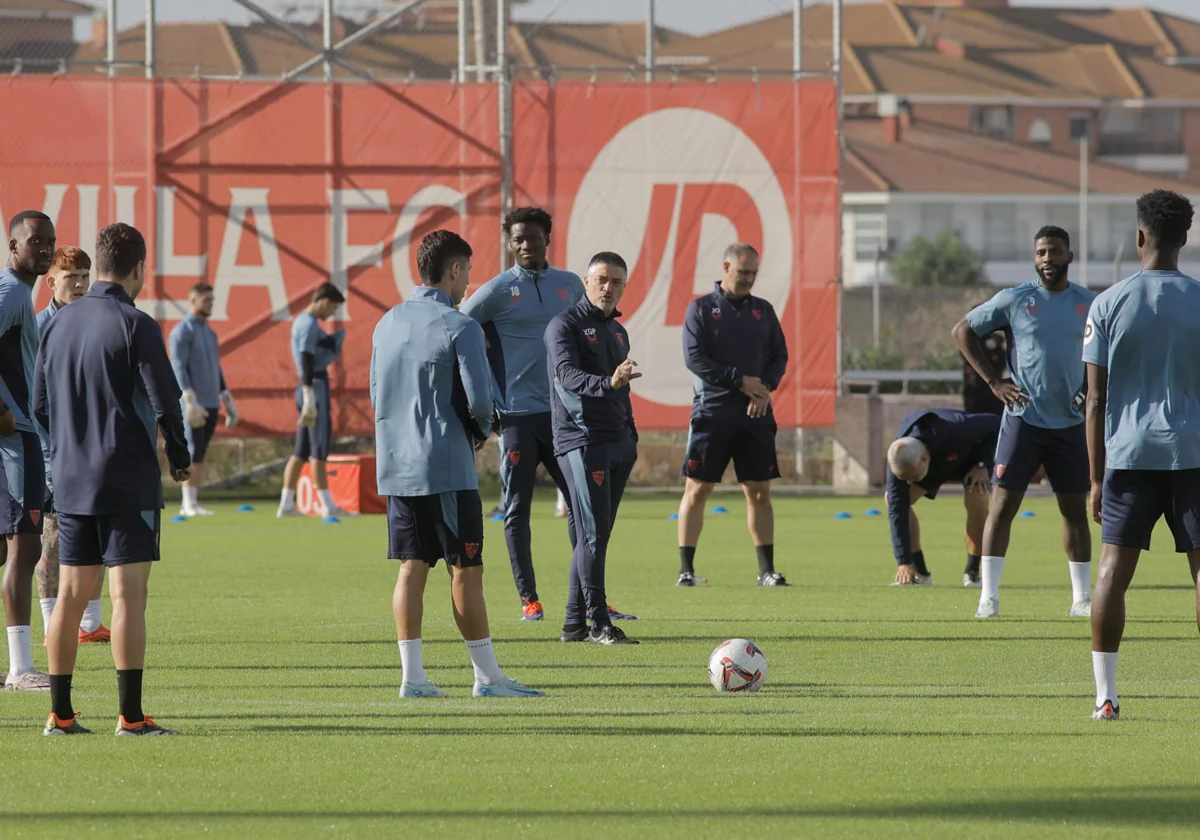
[{"x": 737, "y": 665}]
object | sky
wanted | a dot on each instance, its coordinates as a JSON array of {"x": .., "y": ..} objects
[{"x": 694, "y": 17}]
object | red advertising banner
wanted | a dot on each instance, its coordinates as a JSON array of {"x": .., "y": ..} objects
[{"x": 267, "y": 190}]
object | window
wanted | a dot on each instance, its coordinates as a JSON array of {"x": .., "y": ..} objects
[
  {"x": 992, "y": 120},
  {"x": 1121, "y": 230},
  {"x": 1040, "y": 133},
  {"x": 1080, "y": 127},
  {"x": 1141, "y": 131},
  {"x": 1000, "y": 232},
  {"x": 870, "y": 233},
  {"x": 937, "y": 219}
]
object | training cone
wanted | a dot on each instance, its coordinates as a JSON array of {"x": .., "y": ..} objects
[
  {"x": 673, "y": 516},
  {"x": 720, "y": 509},
  {"x": 331, "y": 520},
  {"x": 499, "y": 517},
  {"x": 842, "y": 515},
  {"x": 179, "y": 519},
  {"x": 873, "y": 512},
  {"x": 246, "y": 509},
  {"x": 1028, "y": 514}
]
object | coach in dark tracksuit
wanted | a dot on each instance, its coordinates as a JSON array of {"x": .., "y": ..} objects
[
  {"x": 734, "y": 346},
  {"x": 932, "y": 448},
  {"x": 595, "y": 439}
]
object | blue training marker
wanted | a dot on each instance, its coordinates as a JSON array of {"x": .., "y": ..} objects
[
  {"x": 720, "y": 509},
  {"x": 1028, "y": 514},
  {"x": 842, "y": 515},
  {"x": 179, "y": 519},
  {"x": 246, "y": 509},
  {"x": 499, "y": 517},
  {"x": 674, "y": 515},
  {"x": 874, "y": 512},
  {"x": 331, "y": 520}
]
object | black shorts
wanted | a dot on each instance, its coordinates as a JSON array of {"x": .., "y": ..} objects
[
  {"x": 712, "y": 443},
  {"x": 1023, "y": 447},
  {"x": 199, "y": 438},
  {"x": 1134, "y": 500},
  {"x": 109, "y": 539},
  {"x": 22, "y": 483},
  {"x": 430, "y": 528},
  {"x": 312, "y": 442}
]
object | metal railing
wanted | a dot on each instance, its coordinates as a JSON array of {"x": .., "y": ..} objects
[{"x": 874, "y": 378}]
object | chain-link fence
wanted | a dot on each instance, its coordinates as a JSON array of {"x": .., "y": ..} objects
[{"x": 391, "y": 40}]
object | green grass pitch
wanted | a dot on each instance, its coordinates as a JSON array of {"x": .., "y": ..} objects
[{"x": 886, "y": 713}]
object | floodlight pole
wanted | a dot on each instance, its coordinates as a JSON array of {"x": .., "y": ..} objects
[
  {"x": 841, "y": 138},
  {"x": 504, "y": 80},
  {"x": 797, "y": 37},
  {"x": 462, "y": 42},
  {"x": 650, "y": 44},
  {"x": 111, "y": 38},
  {"x": 327, "y": 36},
  {"x": 1084, "y": 143},
  {"x": 151, "y": 28}
]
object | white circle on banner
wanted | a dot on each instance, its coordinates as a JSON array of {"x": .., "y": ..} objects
[
  {"x": 677, "y": 146},
  {"x": 305, "y": 494}
]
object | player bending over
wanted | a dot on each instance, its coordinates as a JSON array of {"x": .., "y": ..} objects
[
  {"x": 103, "y": 388},
  {"x": 31, "y": 241},
  {"x": 196, "y": 358},
  {"x": 68, "y": 280},
  {"x": 935, "y": 447},
  {"x": 313, "y": 351},
  {"x": 433, "y": 408},
  {"x": 1043, "y": 321},
  {"x": 733, "y": 344},
  {"x": 1141, "y": 346},
  {"x": 595, "y": 438}
]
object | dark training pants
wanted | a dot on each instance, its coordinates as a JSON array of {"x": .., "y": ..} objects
[
  {"x": 526, "y": 441},
  {"x": 596, "y": 477}
]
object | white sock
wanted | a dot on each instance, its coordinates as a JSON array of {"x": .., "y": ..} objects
[
  {"x": 483, "y": 658},
  {"x": 1081, "y": 581},
  {"x": 92, "y": 618},
  {"x": 191, "y": 496},
  {"x": 410, "y": 661},
  {"x": 326, "y": 500},
  {"x": 990, "y": 569},
  {"x": 20, "y": 654},
  {"x": 47, "y": 611},
  {"x": 287, "y": 499},
  {"x": 1104, "y": 668}
]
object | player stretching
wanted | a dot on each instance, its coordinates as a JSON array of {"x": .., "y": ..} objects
[
  {"x": 433, "y": 409},
  {"x": 595, "y": 438},
  {"x": 103, "y": 385},
  {"x": 1141, "y": 346},
  {"x": 734, "y": 345},
  {"x": 935, "y": 447},
  {"x": 68, "y": 280},
  {"x": 196, "y": 358},
  {"x": 514, "y": 310},
  {"x": 23, "y": 477},
  {"x": 1043, "y": 322},
  {"x": 313, "y": 350}
]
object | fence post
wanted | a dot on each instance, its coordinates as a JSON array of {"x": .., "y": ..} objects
[
  {"x": 504, "y": 80},
  {"x": 110, "y": 34},
  {"x": 150, "y": 29}
]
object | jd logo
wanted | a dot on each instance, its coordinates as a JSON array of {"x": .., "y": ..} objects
[{"x": 720, "y": 189}]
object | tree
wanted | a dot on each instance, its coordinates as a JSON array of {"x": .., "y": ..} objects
[{"x": 945, "y": 261}]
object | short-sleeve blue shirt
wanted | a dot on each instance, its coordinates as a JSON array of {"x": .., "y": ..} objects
[
  {"x": 1146, "y": 331},
  {"x": 1044, "y": 332}
]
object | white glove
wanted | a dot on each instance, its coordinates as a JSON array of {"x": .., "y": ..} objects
[
  {"x": 194, "y": 415},
  {"x": 231, "y": 414},
  {"x": 308, "y": 409}
]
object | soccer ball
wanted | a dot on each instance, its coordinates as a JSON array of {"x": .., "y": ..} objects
[{"x": 737, "y": 665}]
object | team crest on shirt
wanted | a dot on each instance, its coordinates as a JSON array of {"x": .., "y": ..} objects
[
  {"x": 757, "y": 313},
  {"x": 621, "y": 338},
  {"x": 35, "y": 516},
  {"x": 515, "y": 291},
  {"x": 953, "y": 456},
  {"x": 562, "y": 294},
  {"x": 472, "y": 550},
  {"x": 598, "y": 477},
  {"x": 515, "y": 457},
  {"x": 1081, "y": 310},
  {"x": 692, "y": 464},
  {"x": 590, "y": 332},
  {"x": 1000, "y": 470},
  {"x": 716, "y": 312}
]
